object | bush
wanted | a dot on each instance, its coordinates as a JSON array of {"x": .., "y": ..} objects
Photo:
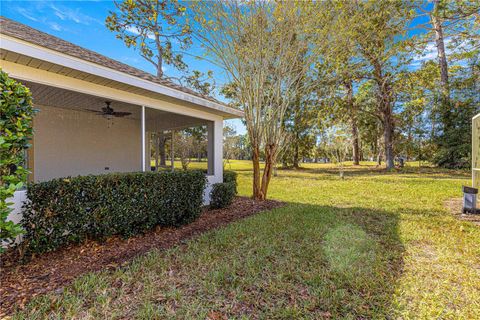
[
  {"x": 70, "y": 210},
  {"x": 222, "y": 194},
  {"x": 230, "y": 176},
  {"x": 16, "y": 113}
]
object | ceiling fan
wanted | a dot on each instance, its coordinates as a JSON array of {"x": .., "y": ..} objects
[{"x": 109, "y": 113}]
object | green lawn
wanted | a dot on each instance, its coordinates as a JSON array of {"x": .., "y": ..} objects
[{"x": 374, "y": 245}]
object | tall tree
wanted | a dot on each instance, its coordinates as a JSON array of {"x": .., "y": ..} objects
[
  {"x": 160, "y": 31},
  {"x": 368, "y": 121},
  {"x": 453, "y": 26},
  {"x": 340, "y": 66},
  {"x": 300, "y": 125},
  {"x": 155, "y": 28},
  {"x": 378, "y": 31},
  {"x": 453, "y": 21}
]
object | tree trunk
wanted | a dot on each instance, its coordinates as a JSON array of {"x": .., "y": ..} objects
[
  {"x": 353, "y": 121},
  {"x": 256, "y": 173},
  {"x": 410, "y": 142},
  {"x": 161, "y": 148},
  {"x": 442, "y": 58},
  {"x": 157, "y": 143},
  {"x": 268, "y": 170},
  {"x": 356, "y": 147},
  {"x": 385, "y": 110},
  {"x": 445, "y": 103},
  {"x": 379, "y": 159},
  {"x": 388, "y": 141},
  {"x": 295, "y": 156}
]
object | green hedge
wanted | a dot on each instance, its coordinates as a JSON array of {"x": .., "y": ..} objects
[
  {"x": 70, "y": 210},
  {"x": 222, "y": 194},
  {"x": 230, "y": 176}
]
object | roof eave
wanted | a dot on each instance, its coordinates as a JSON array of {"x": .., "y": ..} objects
[{"x": 32, "y": 50}]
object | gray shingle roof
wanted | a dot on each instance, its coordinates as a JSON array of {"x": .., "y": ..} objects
[{"x": 34, "y": 36}]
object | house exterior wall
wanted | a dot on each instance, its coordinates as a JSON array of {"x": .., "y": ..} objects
[
  {"x": 70, "y": 143},
  {"x": 78, "y": 143}
]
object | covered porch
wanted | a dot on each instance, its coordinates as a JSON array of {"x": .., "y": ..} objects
[{"x": 78, "y": 134}]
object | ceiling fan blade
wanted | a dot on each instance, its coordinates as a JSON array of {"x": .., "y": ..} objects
[
  {"x": 91, "y": 110},
  {"x": 121, "y": 114}
]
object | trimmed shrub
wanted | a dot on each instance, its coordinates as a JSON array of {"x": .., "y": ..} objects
[
  {"x": 230, "y": 176},
  {"x": 71, "y": 210},
  {"x": 222, "y": 194}
]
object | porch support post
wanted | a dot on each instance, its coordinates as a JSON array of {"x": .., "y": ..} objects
[
  {"x": 172, "y": 151},
  {"x": 143, "y": 140},
  {"x": 215, "y": 148},
  {"x": 210, "y": 148}
]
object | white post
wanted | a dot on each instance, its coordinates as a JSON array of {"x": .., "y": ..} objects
[
  {"x": 215, "y": 148},
  {"x": 214, "y": 155},
  {"x": 211, "y": 148},
  {"x": 172, "y": 151},
  {"x": 143, "y": 140},
  {"x": 218, "y": 150}
]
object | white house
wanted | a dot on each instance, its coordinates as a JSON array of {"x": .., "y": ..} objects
[{"x": 75, "y": 133}]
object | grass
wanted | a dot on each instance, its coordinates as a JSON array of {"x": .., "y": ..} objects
[{"x": 375, "y": 245}]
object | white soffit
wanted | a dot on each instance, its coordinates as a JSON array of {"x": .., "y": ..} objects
[{"x": 45, "y": 54}]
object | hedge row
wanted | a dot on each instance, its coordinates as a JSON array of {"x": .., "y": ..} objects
[
  {"x": 70, "y": 210},
  {"x": 222, "y": 194}
]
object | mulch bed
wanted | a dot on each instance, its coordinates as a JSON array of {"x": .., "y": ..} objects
[
  {"x": 54, "y": 270},
  {"x": 455, "y": 206}
]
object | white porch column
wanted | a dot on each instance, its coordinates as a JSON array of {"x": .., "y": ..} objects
[
  {"x": 214, "y": 155},
  {"x": 215, "y": 149},
  {"x": 143, "y": 139},
  {"x": 172, "y": 151}
]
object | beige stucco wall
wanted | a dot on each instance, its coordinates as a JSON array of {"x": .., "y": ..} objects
[{"x": 69, "y": 142}]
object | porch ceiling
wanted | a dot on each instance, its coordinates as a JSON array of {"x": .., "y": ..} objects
[
  {"x": 61, "y": 98},
  {"x": 156, "y": 120}
]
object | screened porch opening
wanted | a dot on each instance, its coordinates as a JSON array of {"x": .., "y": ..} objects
[{"x": 80, "y": 134}]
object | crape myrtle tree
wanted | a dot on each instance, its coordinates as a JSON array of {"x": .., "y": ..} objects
[
  {"x": 16, "y": 115},
  {"x": 262, "y": 47}
]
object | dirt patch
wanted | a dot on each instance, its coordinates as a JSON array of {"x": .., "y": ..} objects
[
  {"x": 455, "y": 206},
  {"x": 54, "y": 270}
]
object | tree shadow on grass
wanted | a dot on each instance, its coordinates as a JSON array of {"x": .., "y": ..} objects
[
  {"x": 298, "y": 261},
  {"x": 357, "y": 262}
]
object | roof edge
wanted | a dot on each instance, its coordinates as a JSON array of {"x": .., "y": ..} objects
[{"x": 20, "y": 46}]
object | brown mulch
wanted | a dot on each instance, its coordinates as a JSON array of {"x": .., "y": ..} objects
[
  {"x": 455, "y": 206},
  {"x": 54, "y": 270}
]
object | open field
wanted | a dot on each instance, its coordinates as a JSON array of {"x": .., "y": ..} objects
[{"x": 375, "y": 245}]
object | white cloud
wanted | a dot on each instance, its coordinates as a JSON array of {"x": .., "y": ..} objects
[
  {"x": 55, "y": 26},
  {"x": 430, "y": 52},
  {"x": 26, "y": 13},
  {"x": 67, "y": 14},
  {"x": 130, "y": 59},
  {"x": 135, "y": 30}
]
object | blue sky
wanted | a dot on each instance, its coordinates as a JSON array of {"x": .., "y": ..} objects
[{"x": 82, "y": 23}]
